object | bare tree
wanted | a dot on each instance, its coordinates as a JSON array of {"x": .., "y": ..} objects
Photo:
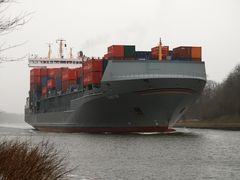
[
  {"x": 218, "y": 100},
  {"x": 7, "y": 25}
]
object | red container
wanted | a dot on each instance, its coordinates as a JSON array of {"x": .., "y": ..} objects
[
  {"x": 34, "y": 87},
  {"x": 182, "y": 53},
  {"x": 44, "y": 91},
  {"x": 155, "y": 52},
  {"x": 63, "y": 69},
  {"x": 35, "y": 80},
  {"x": 54, "y": 72},
  {"x": 187, "y": 53},
  {"x": 35, "y": 72},
  {"x": 197, "y": 53},
  {"x": 72, "y": 82},
  {"x": 69, "y": 74},
  {"x": 119, "y": 58},
  {"x": 155, "y": 49},
  {"x": 72, "y": 74},
  {"x": 116, "y": 51},
  {"x": 92, "y": 66},
  {"x": 105, "y": 56},
  {"x": 92, "y": 78},
  {"x": 154, "y": 56},
  {"x": 51, "y": 84},
  {"x": 67, "y": 84},
  {"x": 109, "y": 57},
  {"x": 38, "y": 72},
  {"x": 44, "y": 72},
  {"x": 64, "y": 86},
  {"x": 79, "y": 72}
]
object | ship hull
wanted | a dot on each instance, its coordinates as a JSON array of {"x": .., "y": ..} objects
[
  {"x": 150, "y": 110},
  {"x": 149, "y": 104}
]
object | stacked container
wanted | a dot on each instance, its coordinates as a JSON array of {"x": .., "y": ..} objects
[
  {"x": 120, "y": 52},
  {"x": 36, "y": 76},
  {"x": 79, "y": 73},
  {"x": 69, "y": 79},
  {"x": 165, "y": 51},
  {"x": 187, "y": 53},
  {"x": 51, "y": 84},
  {"x": 44, "y": 81},
  {"x": 155, "y": 52},
  {"x": 59, "y": 80},
  {"x": 116, "y": 52},
  {"x": 143, "y": 55},
  {"x": 54, "y": 82},
  {"x": 129, "y": 52},
  {"x": 44, "y": 91},
  {"x": 54, "y": 72},
  {"x": 170, "y": 55},
  {"x": 106, "y": 56},
  {"x": 92, "y": 71}
]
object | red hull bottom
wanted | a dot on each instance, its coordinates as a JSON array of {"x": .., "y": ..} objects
[{"x": 103, "y": 130}]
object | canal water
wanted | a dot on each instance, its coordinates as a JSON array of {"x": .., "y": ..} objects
[{"x": 185, "y": 154}]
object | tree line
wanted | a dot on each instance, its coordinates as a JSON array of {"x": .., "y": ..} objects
[{"x": 218, "y": 99}]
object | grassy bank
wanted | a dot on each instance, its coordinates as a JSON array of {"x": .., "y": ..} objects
[
  {"x": 224, "y": 122},
  {"x": 22, "y": 160}
]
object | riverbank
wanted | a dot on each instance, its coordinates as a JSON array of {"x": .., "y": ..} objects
[{"x": 226, "y": 123}]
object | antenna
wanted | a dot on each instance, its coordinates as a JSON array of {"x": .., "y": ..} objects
[
  {"x": 71, "y": 53},
  {"x": 160, "y": 50},
  {"x": 80, "y": 54},
  {"x": 49, "y": 50},
  {"x": 61, "y": 47}
]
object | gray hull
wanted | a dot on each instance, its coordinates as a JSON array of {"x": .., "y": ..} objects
[{"x": 135, "y": 96}]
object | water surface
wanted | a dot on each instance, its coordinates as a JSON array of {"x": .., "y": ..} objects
[{"x": 186, "y": 154}]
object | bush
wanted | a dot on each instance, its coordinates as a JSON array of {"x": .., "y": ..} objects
[{"x": 21, "y": 160}]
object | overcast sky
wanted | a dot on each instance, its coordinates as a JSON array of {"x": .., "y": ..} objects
[{"x": 93, "y": 25}]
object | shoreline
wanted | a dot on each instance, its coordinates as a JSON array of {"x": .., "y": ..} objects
[
  {"x": 201, "y": 126},
  {"x": 223, "y": 123}
]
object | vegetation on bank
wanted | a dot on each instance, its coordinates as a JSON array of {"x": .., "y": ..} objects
[
  {"x": 224, "y": 122},
  {"x": 220, "y": 102},
  {"x": 22, "y": 160}
]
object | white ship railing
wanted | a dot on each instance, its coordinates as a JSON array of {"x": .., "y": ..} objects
[
  {"x": 58, "y": 62},
  {"x": 156, "y": 76}
]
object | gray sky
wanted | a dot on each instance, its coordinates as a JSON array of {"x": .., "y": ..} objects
[{"x": 93, "y": 25}]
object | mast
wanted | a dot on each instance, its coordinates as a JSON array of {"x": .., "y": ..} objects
[
  {"x": 54, "y": 62},
  {"x": 160, "y": 50},
  {"x": 61, "y": 47},
  {"x": 49, "y": 51},
  {"x": 71, "y": 53}
]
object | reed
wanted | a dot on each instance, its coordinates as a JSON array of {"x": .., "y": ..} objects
[{"x": 22, "y": 160}]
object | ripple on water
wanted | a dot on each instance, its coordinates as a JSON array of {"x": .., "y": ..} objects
[{"x": 184, "y": 154}]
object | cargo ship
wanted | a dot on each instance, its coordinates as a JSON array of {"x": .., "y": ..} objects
[{"x": 124, "y": 91}]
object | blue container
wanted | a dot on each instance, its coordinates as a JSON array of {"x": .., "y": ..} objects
[
  {"x": 58, "y": 83},
  {"x": 105, "y": 63},
  {"x": 44, "y": 81},
  {"x": 129, "y": 51},
  {"x": 37, "y": 93},
  {"x": 143, "y": 55}
]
